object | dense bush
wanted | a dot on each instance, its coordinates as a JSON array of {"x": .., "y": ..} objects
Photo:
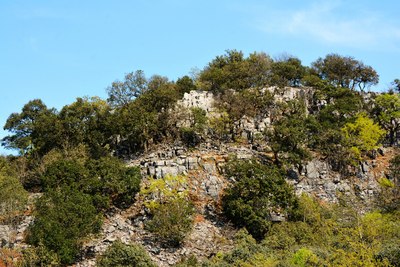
[
  {"x": 125, "y": 255},
  {"x": 259, "y": 191},
  {"x": 388, "y": 199},
  {"x": 107, "y": 179},
  {"x": 39, "y": 256},
  {"x": 172, "y": 221},
  {"x": 328, "y": 235},
  {"x": 13, "y": 197},
  {"x": 111, "y": 178},
  {"x": 63, "y": 217}
]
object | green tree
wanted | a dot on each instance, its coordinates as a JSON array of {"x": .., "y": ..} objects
[
  {"x": 31, "y": 128},
  {"x": 234, "y": 71},
  {"x": 287, "y": 72},
  {"x": 259, "y": 69},
  {"x": 288, "y": 138},
  {"x": 184, "y": 85},
  {"x": 107, "y": 179},
  {"x": 63, "y": 217},
  {"x": 345, "y": 72},
  {"x": 121, "y": 93},
  {"x": 362, "y": 135},
  {"x": 343, "y": 104},
  {"x": 259, "y": 191},
  {"x": 133, "y": 129},
  {"x": 86, "y": 122},
  {"x": 387, "y": 113},
  {"x": 13, "y": 197},
  {"x": 125, "y": 255},
  {"x": 147, "y": 119},
  {"x": 396, "y": 85},
  {"x": 112, "y": 179}
]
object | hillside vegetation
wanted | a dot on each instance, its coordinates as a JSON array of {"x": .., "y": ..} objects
[{"x": 74, "y": 161}]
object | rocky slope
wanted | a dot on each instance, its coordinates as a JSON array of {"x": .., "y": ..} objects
[{"x": 203, "y": 168}]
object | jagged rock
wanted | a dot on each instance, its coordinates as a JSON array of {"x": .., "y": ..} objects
[
  {"x": 212, "y": 186},
  {"x": 312, "y": 171},
  {"x": 364, "y": 167},
  {"x": 192, "y": 163},
  {"x": 5, "y": 235},
  {"x": 330, "y": 187},
  {"x": 209, "y": 167}
]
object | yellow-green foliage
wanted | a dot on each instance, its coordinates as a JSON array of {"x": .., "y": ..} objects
[
  {"x": 304, "y": 257},
  {"x": 170, "y": 207},
  {"x": 219, "y": 125},
  {"x": 362, "y": 134},
  {"x": 385, "y": 182},
  {"x": 329, "y": 235},
  {"x": 162, "y": 190},
  {"x": 13, "y": 197}
]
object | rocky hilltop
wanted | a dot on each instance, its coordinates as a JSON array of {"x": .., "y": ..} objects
[{"x": 203, "y": 165}]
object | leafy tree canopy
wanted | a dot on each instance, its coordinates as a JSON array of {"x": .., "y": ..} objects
[
  {"x": 342, "y": 71},
  {"x": 234, "y": 71},
  {"x": 287, "y": 72},
  {"x": 29, "y": 127},
  {"x": 362, "y": 134},
  {"x": 121, "y": 93},
  {"x": 387, "y": 113}
]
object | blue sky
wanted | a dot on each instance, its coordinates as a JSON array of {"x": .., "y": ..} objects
[{"x": 60, "y": 50}]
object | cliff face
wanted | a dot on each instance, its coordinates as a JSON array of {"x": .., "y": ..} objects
[
  {"x": 316, "y": 177},
  {"x": 204, "y": 167}
]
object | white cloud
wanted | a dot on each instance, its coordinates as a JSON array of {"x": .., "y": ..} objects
[{"x": 334, "y": 23}]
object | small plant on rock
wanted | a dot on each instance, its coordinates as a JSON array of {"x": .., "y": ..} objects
[
  {"x": 121, "y": 255},
  {"x": 170, "y": 207}
]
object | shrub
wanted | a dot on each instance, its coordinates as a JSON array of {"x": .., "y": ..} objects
[
  {"x": 121, "y": 255},
  {"x": 13, "y": 197},
  {"x": 9, "y": 257},
  {"x": 39, "y": 256},
  {"x": 259, "y": 191},
  {"x": 189, "y": 137},
  {"x": 170, "y": 207},
  {"x": 111, "y": 178},
  {"x": 107, "y": 179},
  {"x": 363, "y": 134},
  {"x": 304, "y": 257},
  {"x": 388, "y": 199},
  {"x": 63, "y": 217},
  {"x": 171, "y": 221}
]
